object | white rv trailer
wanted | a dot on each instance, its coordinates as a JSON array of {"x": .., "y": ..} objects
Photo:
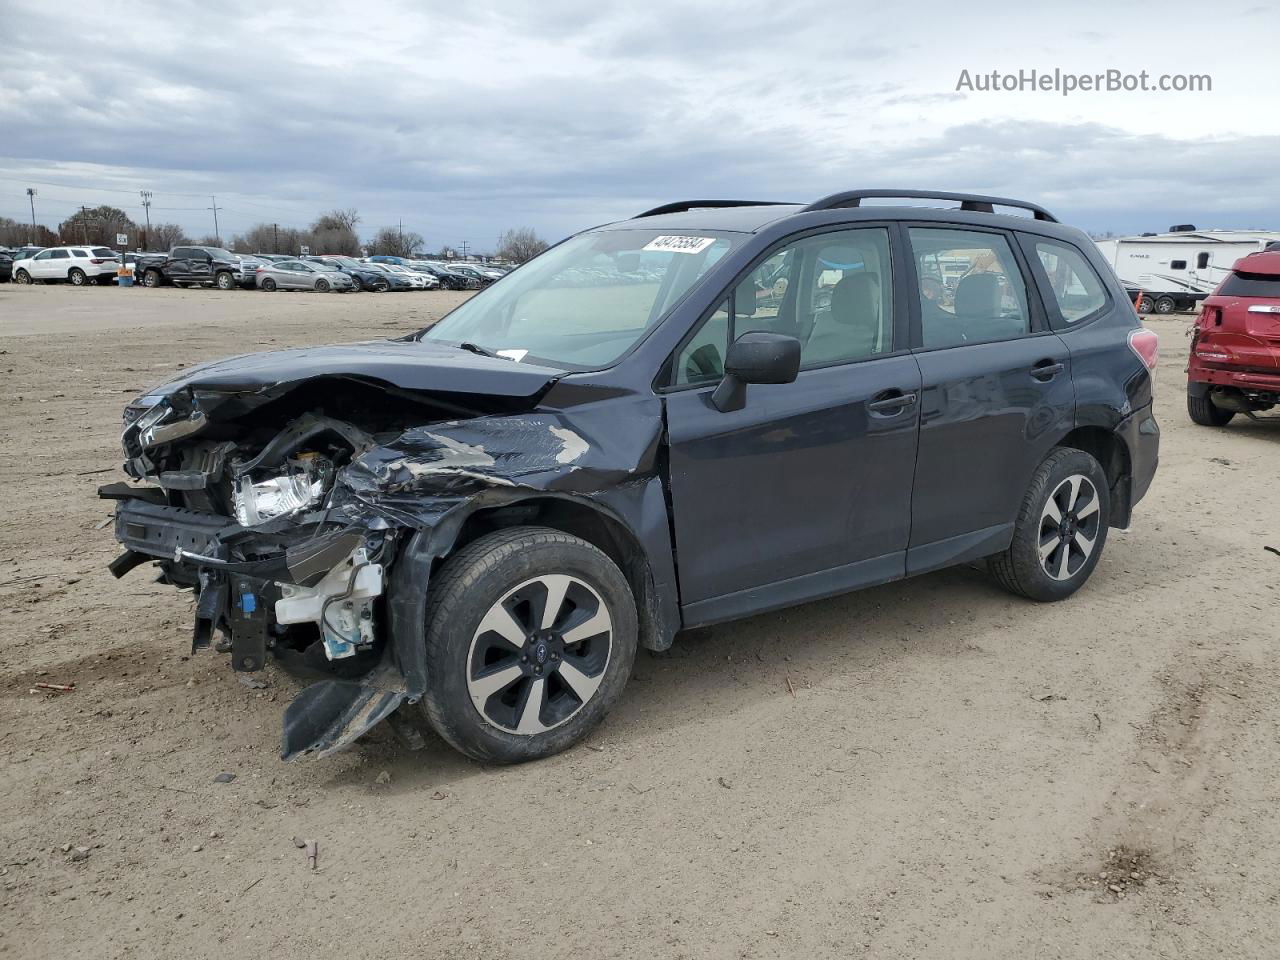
[{"x": 1177, "y": 270}]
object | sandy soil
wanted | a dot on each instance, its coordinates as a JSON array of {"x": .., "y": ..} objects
[{"x": 926, "y": 769}]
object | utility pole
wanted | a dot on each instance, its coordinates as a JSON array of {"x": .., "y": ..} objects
[
  {"x": 215, "y": 208},
  {"x": 465, "y": 245},
  {"x": 31, "y": 195},
  {"x": 146, "y": 205},
  {"x": 84, "y": 224},
  {"x": 401, "y": 248},
  {"x": 275, "y": 238}
]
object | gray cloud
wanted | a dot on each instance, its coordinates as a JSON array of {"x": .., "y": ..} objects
[{"x": 560, "y": 116}]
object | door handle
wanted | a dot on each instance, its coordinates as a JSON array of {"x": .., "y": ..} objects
[
  {"x": 891, "y": 402},
  {"x": 1046, "y": 370}
]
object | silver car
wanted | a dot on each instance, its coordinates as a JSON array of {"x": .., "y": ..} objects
[{"x": 301, "y": 275}]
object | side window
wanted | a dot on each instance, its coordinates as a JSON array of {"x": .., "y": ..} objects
[
  {"x": 80, "y": 253},
  {"x": 1202, "y": 261},
  {"x": 60, "y": 255},
  {"x": 832, "y": 291},
  {"x": 1075, "y": 284},
  {"x": 181, "y": 253},
  {"x": 1177, "y": 264},
  {"x": 971, "y": 289},
  {"x": 44, "y": 255}
]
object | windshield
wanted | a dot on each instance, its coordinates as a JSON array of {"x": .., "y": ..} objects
[
  {"x": 582, "y": 304},
  {"x": 325, "y": 267}
]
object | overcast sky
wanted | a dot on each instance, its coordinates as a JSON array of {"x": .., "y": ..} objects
[{"x": 465, "y": 119}]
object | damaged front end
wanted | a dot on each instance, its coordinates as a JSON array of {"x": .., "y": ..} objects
[{"x": 306, "y": 511}]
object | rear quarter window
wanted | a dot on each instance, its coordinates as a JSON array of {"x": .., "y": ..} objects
[
  {"x": 1076, "y": 286},
  {"x": 1240, "y": 284}
]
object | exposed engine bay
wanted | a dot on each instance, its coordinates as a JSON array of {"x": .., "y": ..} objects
[{"x": 306, "y": 515}]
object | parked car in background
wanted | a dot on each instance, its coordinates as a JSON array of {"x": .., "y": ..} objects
[
  {"x": 301, "y": 275},
  {"x": 469, "y": 270},
  {"x": 249, "y": 264},
  {"x": 364, "y": 276},
  {"x": 6, "y": 266},
  {"x": 76, "y": 265},
  {"x": 418, "y": 267},
  {"x": 22, "y": 253},
  {"x": 399, "y": 261},
  {"x": 191, "y": 266},
  {"x": 1235, "y": 346},
  {"x": 483, "y": 270},
  {"x": 450, "y": 280},
  {"x": 390, "y": 279},
  {"x": 273, "y": 257},
  {"x": 414, "y": 279}
]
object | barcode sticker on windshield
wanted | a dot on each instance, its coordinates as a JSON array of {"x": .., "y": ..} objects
[{"x": 679, "y": 244}]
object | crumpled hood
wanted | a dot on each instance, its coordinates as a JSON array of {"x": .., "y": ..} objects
[{"x": 407, "y": 364}]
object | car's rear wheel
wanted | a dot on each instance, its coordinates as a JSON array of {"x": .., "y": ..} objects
[
  {"x": 322, "y": 285},
  {"x": 530, "y": 638},
  {"x": 224, "y": 281},
  {"x": 1205, "y": 412},
  {"x": 76, "y": 277},
  {"x": 22, "y": 277},
  {"x": 268, "y": 285},
  {"x": 1165, "y": 305},
  {"x": 1061, "y": 528},
  {"x": 356, "y": 285}
]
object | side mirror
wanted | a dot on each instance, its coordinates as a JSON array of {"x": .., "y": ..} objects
[{"x": 756, "y": 357}]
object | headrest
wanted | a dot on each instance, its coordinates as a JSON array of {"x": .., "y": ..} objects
[{"x": 978, "y": 295}]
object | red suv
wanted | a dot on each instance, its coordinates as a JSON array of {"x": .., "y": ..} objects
[{"x": 1235, "y": 347}]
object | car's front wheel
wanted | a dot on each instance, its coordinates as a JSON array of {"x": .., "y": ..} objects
[
  {"x": 530, "y": 637},
  {"x": 224, "y": 281},
  {"x": 1061, "y": 528},
  {"x": 322, "y": 286}
]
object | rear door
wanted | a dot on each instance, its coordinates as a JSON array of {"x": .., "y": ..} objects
[
  {"x": 805, "y": 491},
  {"x": 997, "y": 391}
]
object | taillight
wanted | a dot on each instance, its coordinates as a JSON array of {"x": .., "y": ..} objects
[
  {"x": 97, "y": 261},
  {"x": 1146, "y": 346}
]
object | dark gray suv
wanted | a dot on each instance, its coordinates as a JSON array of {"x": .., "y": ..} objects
[{"x": 711, "y": 410}]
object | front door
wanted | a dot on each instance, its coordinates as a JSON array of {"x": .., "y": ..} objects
[
  {"x": 805, "y": 491},
  {"x": 997, "y": 393}
]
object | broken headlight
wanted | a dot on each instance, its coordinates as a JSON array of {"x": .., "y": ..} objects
[{"x": 304, "y": 485}]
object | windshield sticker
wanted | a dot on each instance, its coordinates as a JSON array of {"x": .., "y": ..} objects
[
  {"x": 516, "y": 355},
  {"x": 679, "y": 244}
]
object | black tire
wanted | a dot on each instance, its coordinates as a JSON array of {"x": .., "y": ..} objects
[
  {"x": 472, "y": 585},
  {"x": 1165, "y": 305},
  {"x": 1022, "y": 569},
  {"x": 269, "y": 285},
  {"x": 1145, "y": 305},
  {"x": 22, "y": 277},
  {"x": 76, "y": 277},
  {"x": 1205, "y": 412},
  {"x": 356, "y": 285},
  {"x": 224, "y": 281},
  {"x": 382, "y": 286},
  {"x": 151, "y": 278},
  {"x": 322, "y": 285}
]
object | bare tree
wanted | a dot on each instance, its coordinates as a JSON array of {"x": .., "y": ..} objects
[
  {"x": 209, "y": 240},
  {"x": 335, "y": 232},
  {"x": 18, "y": 234},
  {"x": 392, "y": 242},
  {"x": 520, "y": 244},
  {"x": 164, "y": 236}
]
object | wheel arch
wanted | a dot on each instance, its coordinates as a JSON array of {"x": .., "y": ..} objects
[
  {"x": 1110, "y": 450},
  {"x": 593, "y": 523}
]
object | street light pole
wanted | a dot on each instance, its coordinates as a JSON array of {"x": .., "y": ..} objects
[{"x": 31, "y": 195}]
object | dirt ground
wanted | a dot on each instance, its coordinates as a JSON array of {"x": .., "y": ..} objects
[{"x": 925, "y": 769}]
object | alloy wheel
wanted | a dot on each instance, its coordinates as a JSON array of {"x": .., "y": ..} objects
[
  {"x": 1069, "y": 525},
  {"x": 540, "y": 654}
]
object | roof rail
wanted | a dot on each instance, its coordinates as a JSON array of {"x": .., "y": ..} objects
[
  {"x": 968, "y": 201},
  {"x": 680, "y": 206}
]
